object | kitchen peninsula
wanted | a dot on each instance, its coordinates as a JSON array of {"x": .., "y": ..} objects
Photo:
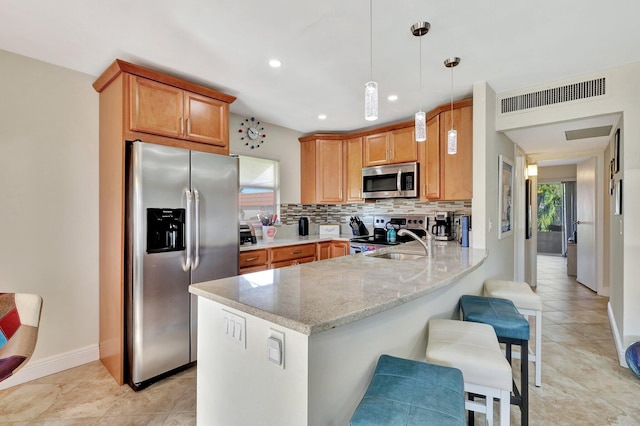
[{"x": 333, "y": 318}]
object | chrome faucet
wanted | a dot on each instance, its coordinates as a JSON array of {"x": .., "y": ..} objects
[{"x": 428, "y": 246}]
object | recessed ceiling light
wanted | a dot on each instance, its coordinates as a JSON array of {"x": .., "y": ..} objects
[
  {"x": 274, "y": 63},
  {"x": 393, "y": 98},
  {"x": 322, "y": 116}
]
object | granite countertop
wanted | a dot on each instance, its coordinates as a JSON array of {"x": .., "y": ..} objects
[
  {"x": 290, "y": 241},
  {"x": 317, "y": 296}
]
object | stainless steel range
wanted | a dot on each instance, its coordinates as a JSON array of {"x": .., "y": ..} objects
[{"x": 381, "y": 224}]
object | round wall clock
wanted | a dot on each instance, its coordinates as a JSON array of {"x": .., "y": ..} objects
[{"x": 252, "y": 133}]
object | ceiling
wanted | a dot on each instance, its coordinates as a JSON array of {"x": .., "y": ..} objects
[{"x": 324, "y": 49}]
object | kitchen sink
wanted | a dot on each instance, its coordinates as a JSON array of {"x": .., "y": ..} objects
[{"x": 398, "y": 256}]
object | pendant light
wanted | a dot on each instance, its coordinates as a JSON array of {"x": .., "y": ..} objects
[
  {"x": 452, "y": 136},
  {"x": 371, "y": 87},
  {"x": 419, "y": 29}
]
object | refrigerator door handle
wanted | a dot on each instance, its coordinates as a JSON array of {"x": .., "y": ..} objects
[
  {"x": 196, "y": 243},
  {"x": 187, "y": 261}
]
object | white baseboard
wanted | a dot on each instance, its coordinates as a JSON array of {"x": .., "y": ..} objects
[
  {"x": 53, "y": 364},
  {"x": 614, "y": 328}
]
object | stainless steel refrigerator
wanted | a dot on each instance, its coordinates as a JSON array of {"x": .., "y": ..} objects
[{"x": 182, "y": 228}]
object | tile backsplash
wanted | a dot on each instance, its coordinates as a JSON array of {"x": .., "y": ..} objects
[{"x": 330, "y": 213}]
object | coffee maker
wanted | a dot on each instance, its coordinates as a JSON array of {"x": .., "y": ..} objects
[{"x": 442, "y": 228}]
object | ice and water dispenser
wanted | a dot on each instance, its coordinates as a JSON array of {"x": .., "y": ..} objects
[{"x": 165, "y": 230}]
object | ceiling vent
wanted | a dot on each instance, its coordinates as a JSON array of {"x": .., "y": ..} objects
[
  {"x": 545, "y": 97},
  {"x": 591, "y": 132}
]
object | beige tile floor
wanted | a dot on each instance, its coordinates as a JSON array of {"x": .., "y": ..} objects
[{"x": 582, "y": 381}]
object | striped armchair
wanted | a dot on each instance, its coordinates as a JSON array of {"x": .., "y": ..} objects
[{"x": 19, "y": 321}]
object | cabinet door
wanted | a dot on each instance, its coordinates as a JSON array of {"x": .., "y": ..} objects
[
  {"x": 329, "y": 171},
  {"x": 353, "y": 173},
  {"x": 457, "y": 168},
  {"x": 308, "y": 172},
  {"x": 432, "y": 160},
  {"x": 155, "y": 108},
  {"x": 404, "y": 147},
  {"x": 339, "y": 248},
  {"x": 206, "y": 120},
  {"x": 323, "y": 250},
  {"x": 376, "y": 149}
]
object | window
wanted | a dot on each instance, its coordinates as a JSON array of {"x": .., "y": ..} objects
[{"x": 259, "y": 187}]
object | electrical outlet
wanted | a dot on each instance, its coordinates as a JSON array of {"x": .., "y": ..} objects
[{"x": 275, "y": 347}]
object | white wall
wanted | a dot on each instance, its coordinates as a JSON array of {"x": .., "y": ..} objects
[
  {"x": 623, "y": 87},
  {"x": 281, "y": 144},
  {"x": 49, "y": 202},
  {"x": 488, "y": 145}
]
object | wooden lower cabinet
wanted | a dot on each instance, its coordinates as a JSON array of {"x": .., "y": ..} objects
[
  {"x": 292, "y": 255},
  {"x": 339, "y": 248},
  {"x": 279, "y": 257},
  {"x": 253, "y": 261},
  {"x": 323, "y": 250},
  {"x": 331, "y": 249}
]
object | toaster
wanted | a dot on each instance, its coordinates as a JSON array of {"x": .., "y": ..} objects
[{"x": 247, "y": 233}]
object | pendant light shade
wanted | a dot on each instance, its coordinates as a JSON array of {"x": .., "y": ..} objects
[
  {"x": 371, "y": 101},
  {"x": 419, "y": 29},
  {"x": 371, "y": 87},
  {"x": 452, "y": 135},
  {"x": 452, "y": 142},
  {"x": 421, "y": 126}
]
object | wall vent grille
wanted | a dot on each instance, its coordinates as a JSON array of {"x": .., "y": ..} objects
[{"x": 567, "y": 93}]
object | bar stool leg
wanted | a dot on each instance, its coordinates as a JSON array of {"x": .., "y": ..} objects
[{"x": 524, "y": 381}]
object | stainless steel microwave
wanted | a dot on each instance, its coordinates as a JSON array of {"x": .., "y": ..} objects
[{"x": 390, "y": 181}]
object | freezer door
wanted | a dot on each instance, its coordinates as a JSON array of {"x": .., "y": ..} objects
[
  {"x": 214, "y": 183},
  {"x": 158, "y": 317}
]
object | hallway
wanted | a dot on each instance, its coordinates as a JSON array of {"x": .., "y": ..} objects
[{"x": 582, "y": 381}]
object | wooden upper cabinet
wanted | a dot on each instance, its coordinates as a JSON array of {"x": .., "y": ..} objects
[
  {"x": 396, "y": 146},
  {"x": 168, "y": 111},
  {"x": 444, "y": 176},
  {"x": 308, "y": 172},
  {"x": 353, "y": 172},
  {"x": 403, "y": 145},
  {"x": 329, "y": 171},
  {"x": 457, "y": 168},
  {"x": 376, "y": 149},
  {"x": 155, "y": 107},
  {"x": 206, "y": 119},
  {"x": 429, "y": 155}
]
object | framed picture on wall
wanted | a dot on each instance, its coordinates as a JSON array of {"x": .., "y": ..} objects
[
  {"x": 618, "y": 198},
  {"x": 505, "y": 197},
  {"x": 616, "y": 152}
]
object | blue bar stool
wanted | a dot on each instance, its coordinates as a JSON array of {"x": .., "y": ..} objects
[
  {"x": 512, "y": 328},
  {"x": 411, "y": 393}
]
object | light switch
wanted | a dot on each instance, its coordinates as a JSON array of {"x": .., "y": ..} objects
[{"x": 235, "y": 327}]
